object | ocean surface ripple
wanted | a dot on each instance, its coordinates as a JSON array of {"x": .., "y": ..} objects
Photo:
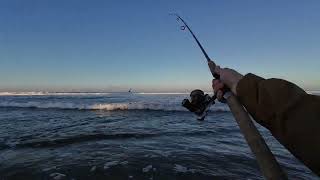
[{"x": 125, "y": 136}]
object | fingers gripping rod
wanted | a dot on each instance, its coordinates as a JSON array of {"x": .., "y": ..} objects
[{"x": 267, "y": 162}]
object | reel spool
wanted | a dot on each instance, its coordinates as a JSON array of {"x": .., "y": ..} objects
[{"x": 199, "y": 104}]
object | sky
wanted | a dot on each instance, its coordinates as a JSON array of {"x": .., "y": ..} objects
[{"x": 105, "y": 45}]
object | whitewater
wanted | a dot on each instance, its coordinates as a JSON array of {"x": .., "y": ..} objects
[{"x": 132, "y": 101}]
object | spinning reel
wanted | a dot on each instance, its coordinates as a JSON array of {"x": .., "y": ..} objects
[{"x": 200, "y": 103}]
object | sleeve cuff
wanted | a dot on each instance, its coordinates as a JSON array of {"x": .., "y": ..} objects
[{"x": 247, "y": 85}]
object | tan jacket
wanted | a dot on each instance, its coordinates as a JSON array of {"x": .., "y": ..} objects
[{"x": 291, "y": 115}]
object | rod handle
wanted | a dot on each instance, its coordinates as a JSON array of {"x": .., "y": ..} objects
[{"x": 266, "y": 160}]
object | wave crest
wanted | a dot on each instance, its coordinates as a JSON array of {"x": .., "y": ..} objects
[{"x": 104, "y": 106}]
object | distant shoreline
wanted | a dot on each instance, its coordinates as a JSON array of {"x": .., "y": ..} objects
[
  {"x": 43, "y": 93},
  {"x": 40, "y": 93}
]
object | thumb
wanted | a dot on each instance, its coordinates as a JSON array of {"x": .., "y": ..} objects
[{"x": 217, "y": 70}]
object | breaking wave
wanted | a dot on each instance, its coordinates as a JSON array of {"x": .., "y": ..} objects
[{"x": 103, "y": 106}]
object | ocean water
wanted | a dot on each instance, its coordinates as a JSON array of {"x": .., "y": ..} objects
[{"x": 125, "y": 136}]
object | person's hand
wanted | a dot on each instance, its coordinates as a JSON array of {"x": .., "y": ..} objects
[{"x": 228, "y": 78}]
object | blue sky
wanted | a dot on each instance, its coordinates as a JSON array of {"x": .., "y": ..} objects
[{"x": 99, "y": 45}]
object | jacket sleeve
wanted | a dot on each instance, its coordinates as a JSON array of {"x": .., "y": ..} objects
[{"x": 290, "y": 114}]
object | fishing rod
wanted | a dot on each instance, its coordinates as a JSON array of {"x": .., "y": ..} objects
[
  {"x": 194, "y": 36},
  {"x": 266, "y": 160},
  {"x": 185, "y": 25}
]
